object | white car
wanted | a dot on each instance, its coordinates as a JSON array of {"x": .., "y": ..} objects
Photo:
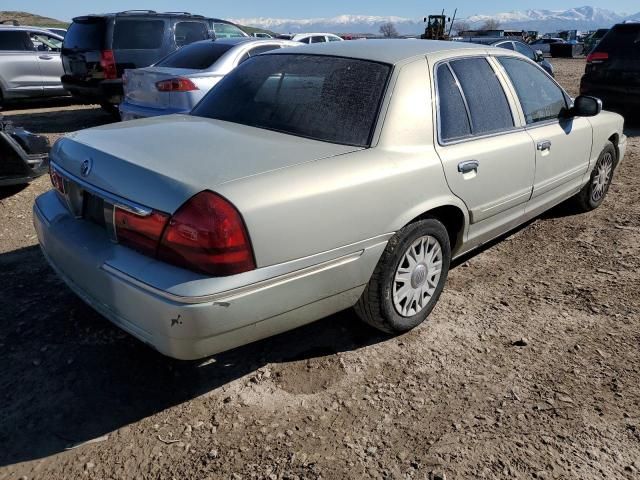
[{"x": 316, "y": 38}]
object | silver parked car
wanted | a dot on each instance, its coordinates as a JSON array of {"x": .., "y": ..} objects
[
  {"x": 312, "y": 180},
  {"x": 30, "y": 65},
  {"x": 179, "y": 81}
]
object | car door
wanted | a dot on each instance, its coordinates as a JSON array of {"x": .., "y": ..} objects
[
  {"x": 19, "y": 69},
  {"x": 488, "y": 159},
  {"x": 49, "y": 61},
  {"x": 563, "y": 145}
]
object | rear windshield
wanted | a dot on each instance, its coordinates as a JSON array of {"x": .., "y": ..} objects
[
  {"x": 330, "y": 99},
  {"x": 138, "y": 34},
  {"x": 86, "y": 35},
  {"x": 622, "y": 40},
  {"x": 197, "y": 56}
]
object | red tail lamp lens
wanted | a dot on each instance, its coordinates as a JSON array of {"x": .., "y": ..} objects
[
  {"x": 56, "y": 179},
  {"x": 597, "y": 57},
  {"x": 176, "y": 85},
  {"x": 140, "y": 233},
  {"x": 108, "y": 64},
  {"x": 207, "y": 234}
]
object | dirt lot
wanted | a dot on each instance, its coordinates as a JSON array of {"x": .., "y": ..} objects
[{"x": 454, "y": 398}]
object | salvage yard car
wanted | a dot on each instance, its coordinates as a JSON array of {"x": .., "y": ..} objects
[
  {"x": 179, "y": 81},
  {"x": 315, "y": 179},
  {"x": 30, "y": 65},
  {"x": 24, "y": 156}
]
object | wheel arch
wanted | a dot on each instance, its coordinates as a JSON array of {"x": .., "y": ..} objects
[{"x": 450, "y": 211}]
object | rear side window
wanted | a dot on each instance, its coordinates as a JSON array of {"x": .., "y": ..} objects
[
  {"x": 197, "y": 56},
  {"x": 86, "y": 35},
  {"x": 189, "y": 32},
  {"x": 452, "y": 113},
  {"x": 15, "y": 41},
  {"x": 540, "y": 97},
  {"x": 507, "y": 45},
  {"x": 226, "y": 30},
  {"x": 326, "y": 98},
  {"x": 138, "y": 34},
  {"x": 622, "y": 40},
  {"x": 487, "y": 102},
  {"x": 318, "y": 39}
]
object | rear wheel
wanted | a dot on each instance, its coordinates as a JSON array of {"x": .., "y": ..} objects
[
  {"x": 111, "y": 109},
  {"x": 593, "y": 193},
  {"x": 409, "y": 278}
]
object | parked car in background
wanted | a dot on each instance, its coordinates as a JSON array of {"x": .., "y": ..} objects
[
  {"x": 98, "y": 48},
  {"x": 613, "y": 69},
  {"x": 24, "y": 156},
  {"x": 179, "y": 81},
  {"x": 314, "y": 179},
  {"x": 516, "y": 45},
  {"x": 592, "y": 40},
  {"x": 30, "y": 65},
  {"x": 58, "y": 31},
  {"x": 316, "y": 38},
  {"x": 544, "y": 44}
]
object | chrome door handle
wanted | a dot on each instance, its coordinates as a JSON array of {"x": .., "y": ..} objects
[
  {"x": 544, "y": 145},
  {"x": 45, "y": 57},
  {"x": 468, "y": 166}
]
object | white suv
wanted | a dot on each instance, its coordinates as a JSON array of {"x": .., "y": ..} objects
[{"x": 30, "y": 64}]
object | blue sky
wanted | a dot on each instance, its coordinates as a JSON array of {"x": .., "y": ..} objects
[{"x": 66, "y": 9}]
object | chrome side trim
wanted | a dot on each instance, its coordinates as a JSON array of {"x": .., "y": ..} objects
[
  {"x": 223, "y": 297},
  {"x": 119, "y": 202}
]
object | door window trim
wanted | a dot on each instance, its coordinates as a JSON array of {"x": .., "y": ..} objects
[{"x": 516, "y": 118}]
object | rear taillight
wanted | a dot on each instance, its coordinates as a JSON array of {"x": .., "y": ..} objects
[
  {"x": 108, "y": 64},
  {"x": 176, "y": 85},
  {"x": 140, "y": 233},
  {"x": 597, "y": 57},
  {"x": 56, "y": 179},
  {"x": 207, "y": 234}
]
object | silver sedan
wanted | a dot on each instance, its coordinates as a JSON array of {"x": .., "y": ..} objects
[
  {"x": 316, "y": 179},
  {"x": 179, "y": 81}
]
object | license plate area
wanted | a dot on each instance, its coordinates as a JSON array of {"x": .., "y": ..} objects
[{"x": 93, "y": 209}]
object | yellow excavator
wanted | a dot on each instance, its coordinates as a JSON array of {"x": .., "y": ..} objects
[{"x": 436, "y": 28}]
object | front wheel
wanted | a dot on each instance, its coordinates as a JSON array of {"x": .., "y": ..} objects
[
  {"x": 409, "y": 278},
  {"x": 593, "y": 193}
]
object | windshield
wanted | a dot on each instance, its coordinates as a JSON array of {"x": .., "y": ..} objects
[{"x": 320, "y": 97}]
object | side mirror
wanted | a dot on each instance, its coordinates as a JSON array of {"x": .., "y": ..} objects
[
  {"x": 585, "y": 106},
  {"x": 539, "y": 56}
]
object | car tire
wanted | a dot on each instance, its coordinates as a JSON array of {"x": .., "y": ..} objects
[
  {"x": 111, "y": 110},
  {"x": 386, "y": 304},
  {"x": 594, "y": 192}
]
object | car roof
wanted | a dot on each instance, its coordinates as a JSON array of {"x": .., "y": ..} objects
[
  {"x": 384, "y": 51},
  {"x": 241, "y": 40},
  {"x": 492, "y": 40},
  {"x": 26, "y": 28}
]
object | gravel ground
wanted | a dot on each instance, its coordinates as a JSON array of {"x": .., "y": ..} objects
[{"x": 528, "y": 367}]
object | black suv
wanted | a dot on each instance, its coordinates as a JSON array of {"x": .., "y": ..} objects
[
  {"x": 98, "y": 48},
  {"x": 613, "y": 69}
]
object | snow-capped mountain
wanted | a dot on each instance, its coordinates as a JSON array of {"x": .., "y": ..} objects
[{"x": 581, "y": 18}]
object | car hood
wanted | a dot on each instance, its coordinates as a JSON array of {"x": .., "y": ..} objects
[{"x": 163, "y": 161}]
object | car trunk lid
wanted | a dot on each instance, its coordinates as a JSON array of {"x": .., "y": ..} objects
[
  {"x": 140, "y": 86},
  {"x": 163, "y": 161}
]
